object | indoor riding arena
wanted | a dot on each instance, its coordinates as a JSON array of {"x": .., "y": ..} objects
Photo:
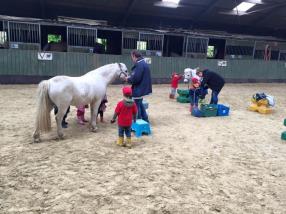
[{"x": 200, "y": 85}]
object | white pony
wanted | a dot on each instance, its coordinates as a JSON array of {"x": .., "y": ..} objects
[
  {"x": 63, "y": 91},
  {"x": 189, "y": 74}
]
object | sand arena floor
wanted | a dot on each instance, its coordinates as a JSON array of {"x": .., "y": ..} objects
[{"x": 234, "y": 164}]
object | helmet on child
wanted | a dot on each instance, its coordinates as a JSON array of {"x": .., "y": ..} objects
[
  {"x": 127, "y": 91},
  {"x": 195, "y": 80}
]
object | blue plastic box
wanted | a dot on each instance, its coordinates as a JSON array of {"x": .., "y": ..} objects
[{"x": 222, "y": 110}]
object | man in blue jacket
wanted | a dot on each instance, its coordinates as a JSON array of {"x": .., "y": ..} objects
[
  {"x": 140, "y": 80},
  {"x": 213, "y": 81}
]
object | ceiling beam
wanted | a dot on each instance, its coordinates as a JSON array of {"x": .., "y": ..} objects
[
  {"x": 131, "y": 5},
  {"x": 206, "y": 10},
  {"x": 270, "y": 13}
]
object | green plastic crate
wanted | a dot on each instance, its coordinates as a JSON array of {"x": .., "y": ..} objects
[
  {"x": 183, "y": 92},
  {"x": 283, "y": 136},
  {"x": 183, "y": 99},
  {"x": 209, "y": 110}
]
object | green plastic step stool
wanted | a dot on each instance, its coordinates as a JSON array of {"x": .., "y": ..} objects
[{"x": 283, "y": 135}]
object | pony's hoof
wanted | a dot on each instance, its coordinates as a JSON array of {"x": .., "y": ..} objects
[
  {"x": 61, "y": 136},
  {"x": 93, "y": 129},
  {"x": 36, "y": 140}
]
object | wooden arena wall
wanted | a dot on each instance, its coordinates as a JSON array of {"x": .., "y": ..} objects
[{"x": 25, "y": 67}]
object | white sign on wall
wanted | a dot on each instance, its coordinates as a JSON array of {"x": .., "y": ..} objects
[
  {"x": 222, "y": 63},
  {"x": 14, "y": 45},
  {"x": 148, "y": 60},
  {"x": 45, "y": 56}
]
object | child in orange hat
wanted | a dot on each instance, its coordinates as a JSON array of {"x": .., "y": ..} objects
[{"x": 126, "y": 111}]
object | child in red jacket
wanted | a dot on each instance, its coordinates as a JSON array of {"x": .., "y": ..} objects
[
  {"x": 174, "y": 84},
  {"x": 126, "y": 111}
]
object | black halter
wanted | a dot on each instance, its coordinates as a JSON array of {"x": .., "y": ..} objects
[{"x": 122, "y": 72}]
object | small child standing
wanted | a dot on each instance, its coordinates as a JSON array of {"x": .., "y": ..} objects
[
  {"x": 195, "y": 93},
  {"x": 174, "y": 84},
  {"x": 80, "y": 114},
  {"x": 102, "y": 108},
  {"x": 126, "y": 111}
]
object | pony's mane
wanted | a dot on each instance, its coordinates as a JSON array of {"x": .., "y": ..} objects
[{"x": 102, "y": 69}]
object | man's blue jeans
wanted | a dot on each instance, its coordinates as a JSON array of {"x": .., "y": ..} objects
[
  {"x": 142, "y": 114},
  {"x": 214, "y": 99},
  {"x": 194, "y": 96}
]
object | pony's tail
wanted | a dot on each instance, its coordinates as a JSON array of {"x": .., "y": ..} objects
[{"x": 44, "y": 106}]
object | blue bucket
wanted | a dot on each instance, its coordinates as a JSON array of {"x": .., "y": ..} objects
[{"x": 222, "y": 110}]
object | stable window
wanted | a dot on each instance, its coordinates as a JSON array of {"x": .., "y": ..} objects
[
  {"x": 264, "y": 50},
  {"x": 196, "y": 47},
  {"x": 141, "y": 45},
  {"x": 3, "y": 37},
  {"x": 103, "y": 42},
  {"x": 218, "y": 48},
  {"x": 54, "y": 38},
  {"x": 151, "y": 44},
  {"x": 239, "y": 49},
  {"x": 173, "y": 46},
  {"x": 210, "y": 53},
  {"x": 25, "y": 36},
  {"x": 130, "y": 41},
  {"x": 81, "y": 39},
  {"x": 110, "y": 42}
]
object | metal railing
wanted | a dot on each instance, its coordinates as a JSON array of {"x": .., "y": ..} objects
[
  {"x": 24, "y": 32},
  {"x": 130, "y": 39},
  {"x": 154, "y": 42},
  {"x": 239, "y": 49},
  {"x": 196, "y": 47},
  {"x": 81, "y": 37}
]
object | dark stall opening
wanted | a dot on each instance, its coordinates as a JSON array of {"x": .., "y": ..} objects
[
  {"x": 216, "y": 49},
  {"x": 54, "y": 38},
  {"x": 173, "y": 46},
  {"x": 111, "y": 40}
]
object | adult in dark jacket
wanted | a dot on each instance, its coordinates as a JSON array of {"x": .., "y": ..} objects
[
  {"x": 140, "y": 79},
  {"x": 213, "y": 81}
]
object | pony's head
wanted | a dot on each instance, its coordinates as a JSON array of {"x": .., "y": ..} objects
[
  {"x": 122, "y": 71},
  {"x": 187, "y": 74}
]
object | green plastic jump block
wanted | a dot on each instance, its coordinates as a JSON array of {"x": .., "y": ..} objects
[
  {"x": 183, "y": 99},
  {"x": 183, "y": 92},
  {"x": 283, "y": 136},
  {"x": 209, "y": 110}
]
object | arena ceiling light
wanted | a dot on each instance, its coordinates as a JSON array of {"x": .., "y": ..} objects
[
  {"x": 168, "y": 3},
  {"x": 244, "y": 6},
  {"x": 171, "y": 1}
]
